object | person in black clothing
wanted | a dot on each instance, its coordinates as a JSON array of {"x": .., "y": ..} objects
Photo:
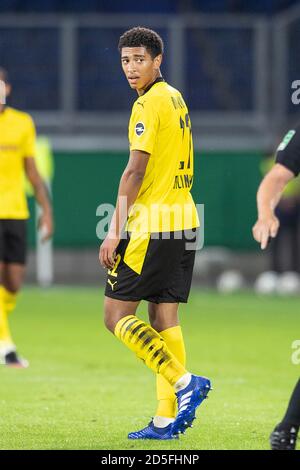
[
  {"x": 285, "y": 248},
  {"x": 269, "y": 194}
]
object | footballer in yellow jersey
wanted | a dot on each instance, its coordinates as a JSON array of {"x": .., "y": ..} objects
[
  {"x": 151, "y": 259},
  {"x": 160, "y": 125},
  {"x": 17, "y": 150}
]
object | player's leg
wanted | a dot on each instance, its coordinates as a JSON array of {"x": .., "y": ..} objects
[
  {"x": 12, "y": 279},
  {"x": 115, "y": 310},
  {"x": 198, "y": 387},
  {"x": 149, "y": 346},
  {"x": 164, "y": 319},
  {"x": 144, "y": 341},
  {"x": 189, "y": 390},
  {"x": 13, "y": 270},
  {"x": 124, "y": 282},
  {"x": 285, "y": 434},
  {"x": 159, "y": 260},
  {"x": 5, "y": 334}
]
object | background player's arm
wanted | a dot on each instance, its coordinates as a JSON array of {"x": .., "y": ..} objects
[
  {"x": 41, "y": 196},
  {"x": 268, "y": 197},
  {"x": 130, "y": 184}
]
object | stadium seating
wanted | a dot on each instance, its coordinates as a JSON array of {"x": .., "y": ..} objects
[
  {"x": 164, "y": 6},
  {"x": 218, "y": 63},
  {"x": 32, "y": 58},
  {"x": 99, "y": 69},
  {"x": 211, "y": 57}
]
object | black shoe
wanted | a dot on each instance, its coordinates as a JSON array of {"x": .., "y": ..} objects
[
  {"x": 284, "y": 437},
  {"x": 13, "y": 360}
]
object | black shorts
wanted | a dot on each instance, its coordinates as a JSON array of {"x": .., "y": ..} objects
[
  {"x": 13, "y": 241},
  {"x": 154, "y": 268}
]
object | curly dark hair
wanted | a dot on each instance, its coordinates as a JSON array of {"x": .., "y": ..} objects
[{"x": 142, "y": 37}]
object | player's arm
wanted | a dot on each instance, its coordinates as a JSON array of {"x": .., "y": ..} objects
[
  {"x": 130, "y": 184},
  {"x": 269, "y": 193},
  {"x": 41, "y": 196},
  {"x": 268, "y": 197}
]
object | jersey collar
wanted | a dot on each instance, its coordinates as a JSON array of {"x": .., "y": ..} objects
[{"x": 157, "y": 80}]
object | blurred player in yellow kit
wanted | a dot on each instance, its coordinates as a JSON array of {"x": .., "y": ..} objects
[{"x": 17, "y": 151}]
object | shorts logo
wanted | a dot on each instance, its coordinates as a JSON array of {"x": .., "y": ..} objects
[
  {"x": 112, "y": 284},
  {"x": 139, "y": 128}
]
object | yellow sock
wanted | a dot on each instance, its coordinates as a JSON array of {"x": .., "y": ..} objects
[
  {"x": 149, "y": 346},
  {"x": 165, "y": 393},
  {"x": 10, "y": 299},
  {"x": 5, "y": 336}
]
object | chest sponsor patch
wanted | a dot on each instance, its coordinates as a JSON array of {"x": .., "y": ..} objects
[
  {"x": 139, "y": 128},
  {"x": 9, "y": 147}
]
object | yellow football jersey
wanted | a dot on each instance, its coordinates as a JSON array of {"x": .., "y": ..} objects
[
  {"x": 17, "y": 141},
  {"x": 160, "y": 125}
]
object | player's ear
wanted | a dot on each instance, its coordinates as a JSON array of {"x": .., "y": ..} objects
[
  {"x": 157, "y": 61},
  {"x": 8, "y": 89}
]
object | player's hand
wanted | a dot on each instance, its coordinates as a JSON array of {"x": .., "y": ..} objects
[
  {"x": 45, "y": 224},
  {"x": 107, "y": 252},
  {"x": 264, "y": 229}
]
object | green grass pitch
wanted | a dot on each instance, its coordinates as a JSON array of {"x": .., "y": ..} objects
[{"x": 84, "y": 390}]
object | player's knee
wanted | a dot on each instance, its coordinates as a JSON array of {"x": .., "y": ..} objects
[
  {"x": 12, "y": 286},
  {"x": 109, "y": 321},
  {"x": 111, "y": 316},
  {"x": 154, "y": 316},
  {"x": 13, "y": 278},
  {"x": 155, "y": 323},
  {"x": 109, "y": 324}
]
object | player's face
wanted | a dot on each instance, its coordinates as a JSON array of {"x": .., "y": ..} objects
[
  {"x": 139, "y": 67},
  {"x": 7, "y": 90}
]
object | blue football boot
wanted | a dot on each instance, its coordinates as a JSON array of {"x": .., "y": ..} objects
[
  {"x": 152, "y": 432},
  {"x": 188, "y": 401}
]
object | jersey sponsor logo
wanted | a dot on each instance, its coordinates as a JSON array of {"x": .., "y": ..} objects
[
  {"x": 11, "y": 148},
  {"x": 286, "y": 140},
  {"x": 139, "y": 128}
]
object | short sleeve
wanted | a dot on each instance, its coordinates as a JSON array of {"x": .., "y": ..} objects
[
  {"x": 288, "y": 152},
  {"x": 144, "y": 124},
  {"x": 29, "y": 139}
]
